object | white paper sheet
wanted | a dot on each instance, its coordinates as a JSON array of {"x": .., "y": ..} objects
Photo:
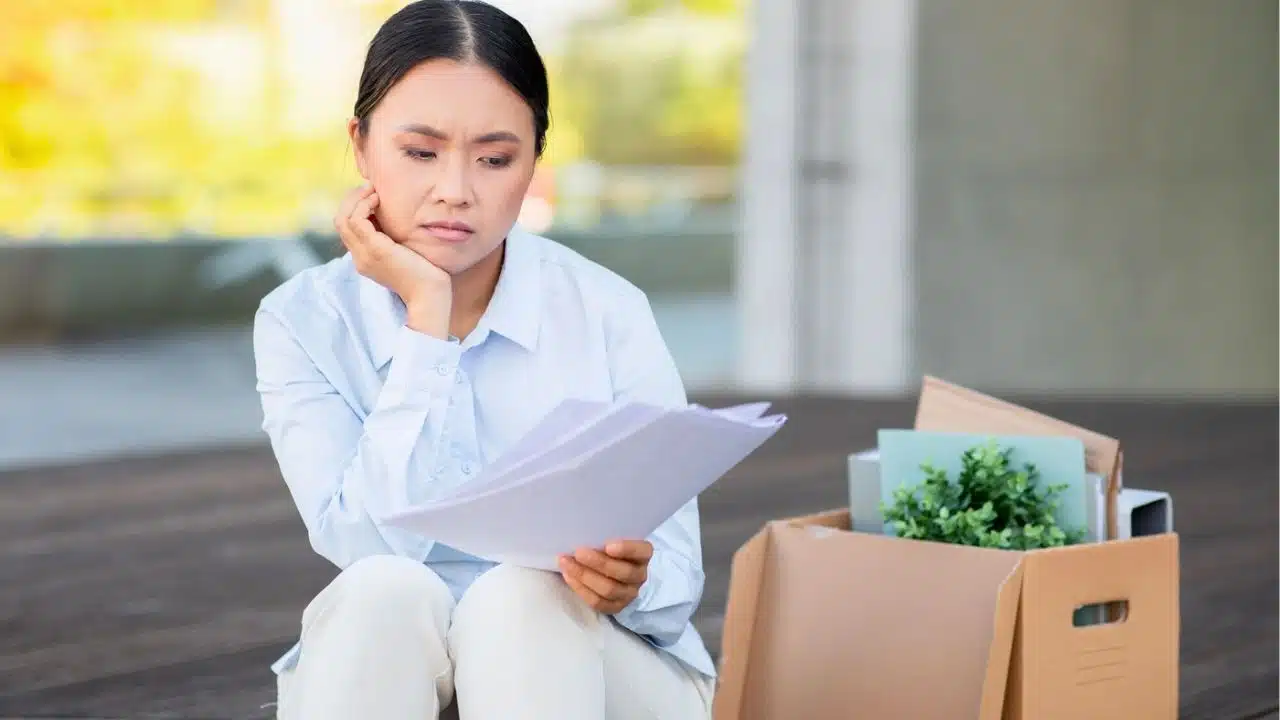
[
  {"x": 565, "y": 420},
  {"x": 618, "y": 477},
  {"x": 573, "y": 428},
  {"x": 746, "y": 412}
]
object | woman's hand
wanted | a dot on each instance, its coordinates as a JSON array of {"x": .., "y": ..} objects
[
  {"x": 608, "y": 580},
  {"x": 425, "y": 289}
]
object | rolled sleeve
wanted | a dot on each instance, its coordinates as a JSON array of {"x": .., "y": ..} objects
[{"x": 667, "y": 600}]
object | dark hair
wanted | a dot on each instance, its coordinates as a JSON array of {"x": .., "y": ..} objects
[{"x": 459, "y": 30}]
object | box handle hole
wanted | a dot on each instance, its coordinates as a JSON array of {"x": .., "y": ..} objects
[{"x": 1103, "y": 613}]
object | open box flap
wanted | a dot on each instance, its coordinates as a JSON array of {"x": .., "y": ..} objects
[
  {"x": 851, "y": 624},
  {"x": 1000, "y": 654},
  {"x": 746, "y": 583},
  {"x": 947, "y": 407}
]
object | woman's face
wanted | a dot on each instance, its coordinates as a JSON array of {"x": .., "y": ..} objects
[{"x": 450, "y": 153}]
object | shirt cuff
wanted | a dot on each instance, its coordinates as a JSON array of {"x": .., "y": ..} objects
[
  {"x": 422, "y": 367},
  {"x": 659, "y": 611}
]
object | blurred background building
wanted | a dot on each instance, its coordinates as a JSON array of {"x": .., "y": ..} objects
[
  {"x": 1059, "y": 196},
  {"x": 1049, "y": 196}
]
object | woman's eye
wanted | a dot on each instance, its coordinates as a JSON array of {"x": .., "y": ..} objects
[
  {"x": 496, "y": 162},
  {"x": 419, "y": 154}
]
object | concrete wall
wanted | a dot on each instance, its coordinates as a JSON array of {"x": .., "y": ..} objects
[
  {"x": 1019, "y": 195},
  {"x": 1096, "y": 194}
]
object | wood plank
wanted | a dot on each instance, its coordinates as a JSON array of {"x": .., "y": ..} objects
[{"x": 164, "y": 587}]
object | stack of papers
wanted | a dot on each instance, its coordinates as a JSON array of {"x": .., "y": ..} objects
[{"x": 588, "y": 473}]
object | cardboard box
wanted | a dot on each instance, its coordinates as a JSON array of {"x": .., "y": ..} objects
[{"x": 826, "y": 622}]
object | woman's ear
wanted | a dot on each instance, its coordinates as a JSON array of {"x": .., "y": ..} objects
[{"x": 357, "y": 146}]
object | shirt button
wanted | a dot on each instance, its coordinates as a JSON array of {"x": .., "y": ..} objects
[
  {"x": 467, "y": 468},
  {"x": 442, "y": 370}
]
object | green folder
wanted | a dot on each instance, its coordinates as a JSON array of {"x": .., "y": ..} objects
[{"x": 1060, "y": 460}]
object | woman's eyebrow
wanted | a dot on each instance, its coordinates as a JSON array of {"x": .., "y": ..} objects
[{"x": 492, "y": 137}]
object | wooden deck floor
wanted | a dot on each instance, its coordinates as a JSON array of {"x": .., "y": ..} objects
[{"x": 164, "y": 587}]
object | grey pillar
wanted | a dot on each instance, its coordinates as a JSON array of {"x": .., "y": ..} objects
[{"x": 825, "y": 246}]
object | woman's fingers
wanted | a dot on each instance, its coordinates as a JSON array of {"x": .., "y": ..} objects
[
  {"x": 363, "y": 238},
  {"x": 587, "y": 594},
  {"x": 363, "y": 207},
  {"x": 362, "y": 222},
  {"x": 361, "y": 229},
  {"x": 576, "y": 577},
  {"x": 348, "y": 204},
  {"x": 621, "y": 570},
  {"x": 372, "y": 241},
  {"x": 599, "y": 583},
  {"x": 605, "y": 586}
]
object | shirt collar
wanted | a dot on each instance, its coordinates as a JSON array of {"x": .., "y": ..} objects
[{"x": 514, "y": 311}]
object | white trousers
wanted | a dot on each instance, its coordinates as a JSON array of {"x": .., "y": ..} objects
[{"x": 385, "y": 640}]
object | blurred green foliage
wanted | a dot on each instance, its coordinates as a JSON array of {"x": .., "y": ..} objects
[
  {"x": 636, "y": 8},
  {"x": 664, "y": 88},
  {"x": 107, "y": 128}
]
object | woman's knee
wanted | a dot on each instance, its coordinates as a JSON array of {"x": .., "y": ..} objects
[
  {"x": 513, "y": 622},
  {"x": 384, "y": 586},
  {"x": 513, "y": 593}
]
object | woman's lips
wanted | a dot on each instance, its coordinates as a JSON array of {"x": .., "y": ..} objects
[{"x": 452, "y": 232}]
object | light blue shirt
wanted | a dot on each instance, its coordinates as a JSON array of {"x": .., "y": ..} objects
[{"x": 367, "y": 416}]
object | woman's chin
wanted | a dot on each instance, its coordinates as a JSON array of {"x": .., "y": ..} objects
[{"x": 451, "y": 258}]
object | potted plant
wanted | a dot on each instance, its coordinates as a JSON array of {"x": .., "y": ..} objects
[{"x": 990, "y": 504}]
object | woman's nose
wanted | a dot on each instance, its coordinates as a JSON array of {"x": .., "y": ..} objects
[{"x": 452, "y": 184}]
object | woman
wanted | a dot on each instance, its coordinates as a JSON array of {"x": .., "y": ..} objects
[{"x": 392, "y": 374}]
